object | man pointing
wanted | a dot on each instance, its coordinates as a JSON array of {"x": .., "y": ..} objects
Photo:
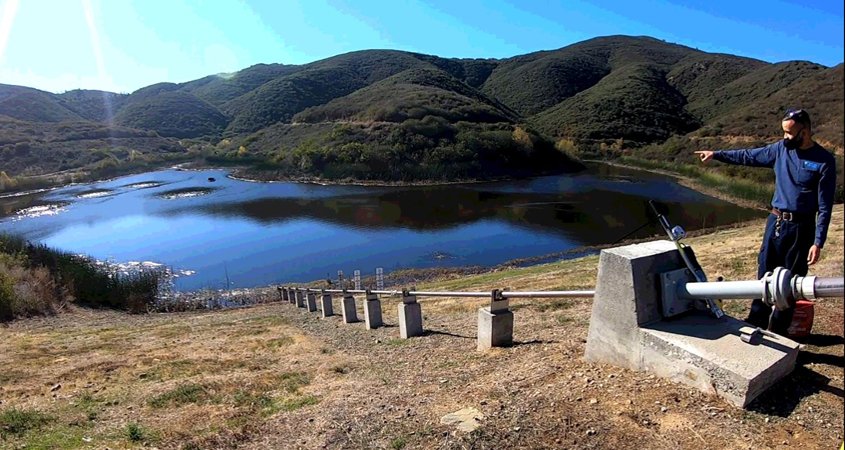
[{"x": 805, "y": 182}]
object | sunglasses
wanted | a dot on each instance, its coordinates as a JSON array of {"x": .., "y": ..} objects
[{"x": 794, "y": 114}]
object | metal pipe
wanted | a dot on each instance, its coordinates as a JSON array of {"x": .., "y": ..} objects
[
  {"x": 778, "y": 288},
  {"x": 548, "y": 294},
  {"x": 829, "y": 287},
  {"x": 722, "y": 289},
  {"x": 392, "y": 293},
  {"x": 449, "y": 294}
]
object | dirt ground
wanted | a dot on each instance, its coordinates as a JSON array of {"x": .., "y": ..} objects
[{"x": 275, "y": 376}]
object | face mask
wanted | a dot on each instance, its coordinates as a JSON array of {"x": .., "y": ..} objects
[{"x": 793, "y": 143}]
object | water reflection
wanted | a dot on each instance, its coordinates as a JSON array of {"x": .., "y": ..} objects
[{"x": 261, "y": 233}]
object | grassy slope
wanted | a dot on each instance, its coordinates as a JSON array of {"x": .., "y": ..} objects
[{"x": 275, "y": 376}]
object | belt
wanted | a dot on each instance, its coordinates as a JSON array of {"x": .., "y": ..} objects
[{"x": 790, "y": 216}]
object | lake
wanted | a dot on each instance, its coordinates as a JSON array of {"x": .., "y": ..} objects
[{"x": 210, "y": 228}]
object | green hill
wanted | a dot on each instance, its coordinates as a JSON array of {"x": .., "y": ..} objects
[
  {"x": 634, "y": 103},
  {"x": 411, "y": 94},
  {"x": 98, "y": 106},
  {"x": 219, "y": 89},
  {"x": 317, "y": 83},
  {"x": 394, "y": 115},
  {"x": 32, "y": 105},
  {"x": 171, "y": 113}
]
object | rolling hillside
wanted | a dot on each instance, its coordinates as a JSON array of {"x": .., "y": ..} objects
[{"x": 605, "y": 96}]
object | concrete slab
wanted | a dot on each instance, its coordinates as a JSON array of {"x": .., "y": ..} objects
[
  {"x": 707, "y": 353},
  {"x": 627, "y": 329}
]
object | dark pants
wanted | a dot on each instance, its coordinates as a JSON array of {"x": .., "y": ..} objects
[{"x": 785, "y": 244}]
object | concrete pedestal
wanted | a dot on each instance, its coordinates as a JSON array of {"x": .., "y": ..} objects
[
  {"x": 372, "y": 312},
  {"x": 495, "y": 329},
  {"x": 410, "y": 318},
  {"x": 350, "y": 315},
  {"x": 627, "y": 329},
  {"x": 311, "y": 302},
  {"x": 326, "y": 305}
]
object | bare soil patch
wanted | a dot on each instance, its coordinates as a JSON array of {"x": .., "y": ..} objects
[{"x": 275, "y": 376}]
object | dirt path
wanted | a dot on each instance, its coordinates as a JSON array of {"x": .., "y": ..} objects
[{"x": 274, "y": 376}]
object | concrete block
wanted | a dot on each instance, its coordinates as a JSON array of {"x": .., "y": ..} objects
[
  {"x": 627, "y": 329},
  {"x": 311, "y": 302},
  {"x": 495, "y": 329},
  {"x": 410, "y": 318},
  {"x": 326, "y": 305},
  {"x": 626, "y": 298},
  {"x": 292, "y": 296},
  {"x": 372, "y": 312},
  {"x": 708, "y": 354},
  {"x": 300, "y": 300},
  {"x": 350, "y": 314},
  {"x": 285, "y": 295}
]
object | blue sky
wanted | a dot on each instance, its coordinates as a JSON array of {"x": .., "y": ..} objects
[{"x": 121, "y": 46}]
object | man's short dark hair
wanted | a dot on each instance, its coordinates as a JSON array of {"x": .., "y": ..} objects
[{"x": 799, "y": 115}]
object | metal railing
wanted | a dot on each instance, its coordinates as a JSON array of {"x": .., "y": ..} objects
[{"x": 470, "y": 294}]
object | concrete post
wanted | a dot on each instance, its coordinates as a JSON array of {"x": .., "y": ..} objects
[
  {"x": 495, "y": 323},
  {"x": 350, "y": 314},
  {"x": 410, "y": 316},
  {"x": 311, "y": 301},
  {"x": 285, "y": 294},
  {"x": 300, "y": 301},
  {"x": 372, "y": 311},
  {"x": 627, "y": 329},
  {"x": 292, "y": 296},
  {"x": 326, "y": 304}
]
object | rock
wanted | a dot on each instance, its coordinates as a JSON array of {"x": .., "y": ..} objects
[
  {"x": 56, "y": 387},
  {"x": 593, "y": 401},
  {"x": 466, "y": 419},
  {"x": 663, "y": 409},
  {"x": 591, "y": 432}
]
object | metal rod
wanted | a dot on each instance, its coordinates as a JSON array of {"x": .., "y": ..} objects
[
  {"x": 505, "y": 294},
  {"x": 722, "y": 289},
  {"x": 393, "y": 293},
  {"x": 548, "y": 294},
  {"x": 449, "y": 294}
]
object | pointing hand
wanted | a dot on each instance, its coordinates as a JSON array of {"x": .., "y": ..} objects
[{"x": 704, "y": 155}]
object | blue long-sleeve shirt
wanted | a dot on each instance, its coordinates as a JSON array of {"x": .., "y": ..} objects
[{"x": 805, "y": 180}]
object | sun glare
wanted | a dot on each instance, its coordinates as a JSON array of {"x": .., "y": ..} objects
[
  {"x": 7, "y": 16},
  {"x": 97, "y": 50}
]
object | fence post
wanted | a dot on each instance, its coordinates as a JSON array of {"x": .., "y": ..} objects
[
  {"x": 410, "y": 316},
  {"x": 495, "y": 323},
  {"x": 326, "y": 303},
  {"x": 372, "y": 311},
  {"x": 311, "y": 300},
  {"x": 350, "y": 315}
]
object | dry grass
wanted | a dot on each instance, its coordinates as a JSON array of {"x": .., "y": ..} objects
[{"x": 275, "y": 376}]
